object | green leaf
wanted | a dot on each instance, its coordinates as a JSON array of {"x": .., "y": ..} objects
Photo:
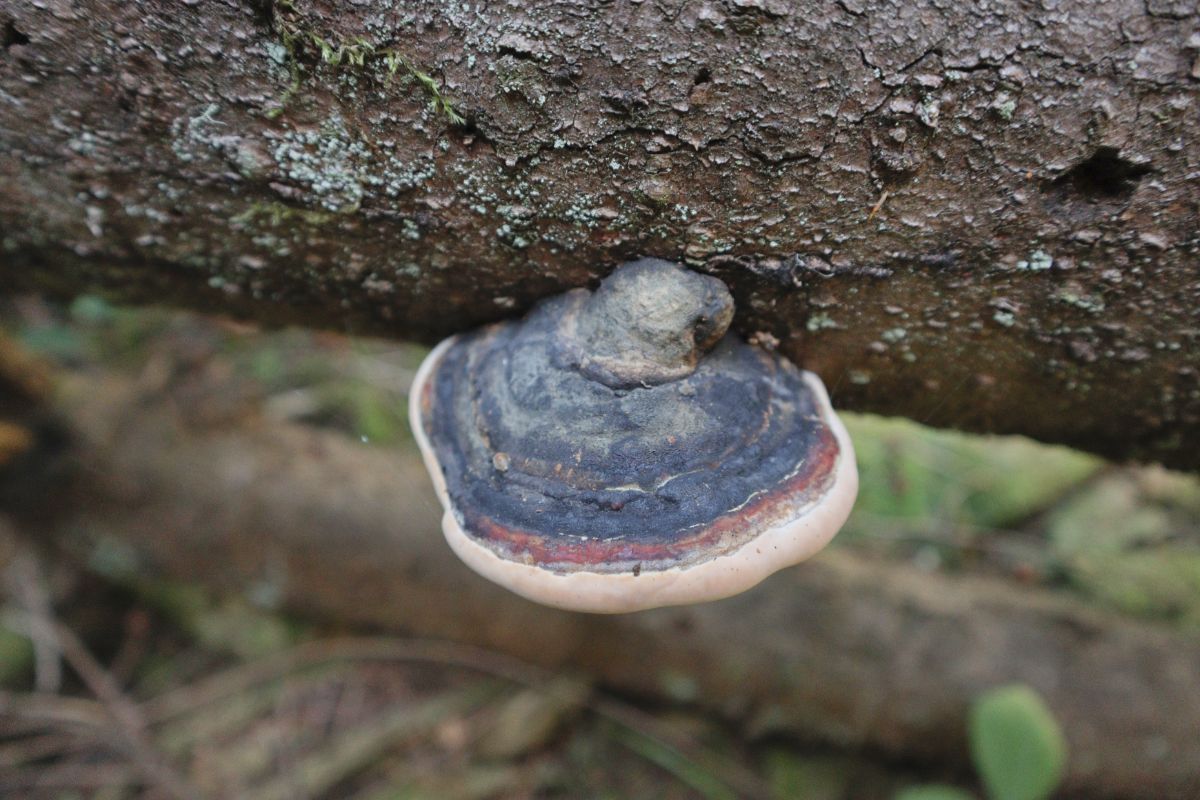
[
  {"x": 1017, "y": 745},
  {"x": 933, "y": 792}
]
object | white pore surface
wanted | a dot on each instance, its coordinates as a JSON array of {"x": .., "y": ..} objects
[{"x": 718, "y": 577}]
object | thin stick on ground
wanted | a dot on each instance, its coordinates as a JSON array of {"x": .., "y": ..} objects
[
  {"x": 122, "y": 711},
  {"x": 126, "y": 714},
  {"x": 28, "y": 587},
  {"x": 312, "y": 655},
  {"x": 39, "y": 711}
]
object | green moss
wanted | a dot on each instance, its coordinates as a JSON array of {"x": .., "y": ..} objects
[
  {"x": 298, "y": 38},
  {"x": 292, "y": 62},
  {"x": 1129, "y": 542},
  {"x": 277, "y": 214},
  {"x": 908, "y": 472},
  {"x": 1163, "y": 582}
]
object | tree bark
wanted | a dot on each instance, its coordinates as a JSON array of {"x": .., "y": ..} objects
[
  {"x": 979, "y": 217},
  {"x": 844, "y": 650}
]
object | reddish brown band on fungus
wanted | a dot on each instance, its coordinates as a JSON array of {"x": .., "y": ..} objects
[
  {"x": 725, "y": 534},
  {"x": 426, "y": 399}
]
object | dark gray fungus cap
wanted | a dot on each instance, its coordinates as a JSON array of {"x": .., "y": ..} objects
[{"x": 619, "y": 450}]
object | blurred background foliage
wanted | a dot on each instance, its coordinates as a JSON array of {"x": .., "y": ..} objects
[{"x": 1126, "y": 538}]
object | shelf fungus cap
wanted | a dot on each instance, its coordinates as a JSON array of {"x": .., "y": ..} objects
[{"x": 619, "y": 450}]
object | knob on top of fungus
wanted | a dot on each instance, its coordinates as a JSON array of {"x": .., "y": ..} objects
[{"x": 618, "y": 450}]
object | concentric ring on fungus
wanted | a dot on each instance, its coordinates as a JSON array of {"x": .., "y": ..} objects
[{"x": 619, "y": 450}]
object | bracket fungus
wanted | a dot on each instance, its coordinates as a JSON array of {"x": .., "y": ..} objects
[{"x": 619, "y": 450}]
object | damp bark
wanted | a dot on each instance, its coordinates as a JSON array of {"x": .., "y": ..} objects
[{"x": 984, "y": 219}]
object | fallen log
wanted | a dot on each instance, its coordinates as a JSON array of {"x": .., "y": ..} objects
[
  {"x": 845, "y": 650},
  {"x": 976, "y": 216}
]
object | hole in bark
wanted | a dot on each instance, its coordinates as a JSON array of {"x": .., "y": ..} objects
[
  {"x": 264, "y": 11},
  {"x": 518, "y": 52},
  {"x": 703, "y": 76},
  {"x": 1105, "y": 174},
  {"x": 12, "y": 36}
]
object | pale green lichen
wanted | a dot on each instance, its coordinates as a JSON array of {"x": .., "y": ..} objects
[
  {"x": 1005, "y": 106},
  {"x": 324, "y": 162},
  {"x": 929, "y": 111},
  {"x": 1039, "y": 261},
  {"x": 187, "y": 132},
  {"x": 338, "y": 168},
  {"x": 820, "y": 321},
  {"x": 1087, "y": 302}
]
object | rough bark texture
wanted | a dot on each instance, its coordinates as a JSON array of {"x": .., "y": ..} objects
[
  {"x": 841, "y": 650},
  {"x": 975, "y": 215}
]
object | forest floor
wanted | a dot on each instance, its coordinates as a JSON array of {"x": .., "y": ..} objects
[{"x": 115, "y": 688}]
